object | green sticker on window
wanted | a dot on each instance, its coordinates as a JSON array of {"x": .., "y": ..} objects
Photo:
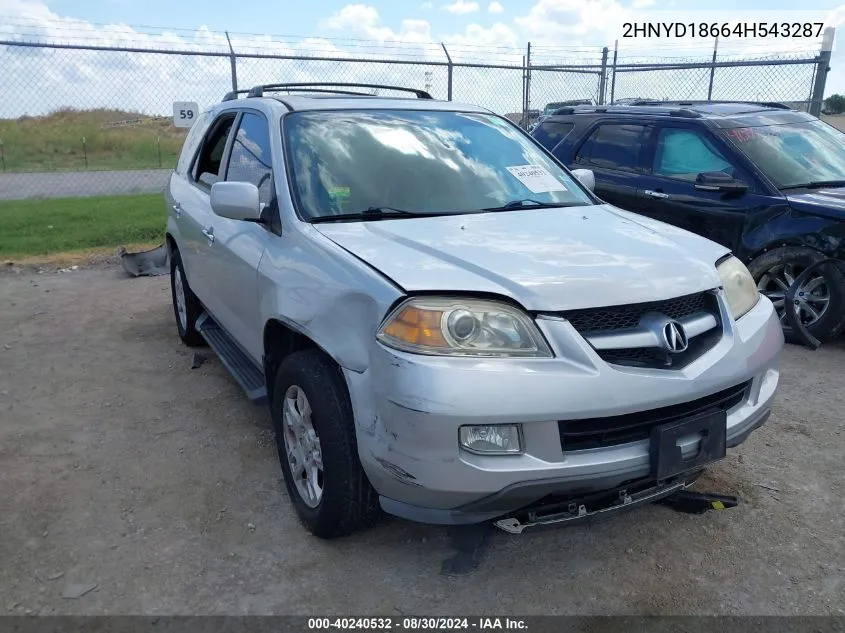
[{"x": 339, "y": 194}]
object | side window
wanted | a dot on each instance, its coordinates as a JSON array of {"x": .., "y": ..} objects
[
  {"x": 550, "y": 133},
  {"x": 192, "y": 141},
  {"x": 613, "y": 146},
  {"x": 250, "y": 158},
  {"x": 683, "y": 154},
  {"x": 211, "y": 155}
]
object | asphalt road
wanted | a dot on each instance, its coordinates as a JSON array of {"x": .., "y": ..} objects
[
  {"x": 63, "y": 184},
  {"x": 124, "y": 471}
]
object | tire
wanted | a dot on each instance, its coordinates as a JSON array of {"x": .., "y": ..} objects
[
  {"x": 185, "y": 324},
  {"x": 346, "y": 501},
  {"x": 768, "y": 271}
]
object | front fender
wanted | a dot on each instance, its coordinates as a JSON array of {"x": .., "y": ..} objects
[
  {"x": 326, "y": 294},
  {"x": 789, "y": 227}
]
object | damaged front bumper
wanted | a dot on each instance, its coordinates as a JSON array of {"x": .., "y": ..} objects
[{"x": 408, "y": 410}]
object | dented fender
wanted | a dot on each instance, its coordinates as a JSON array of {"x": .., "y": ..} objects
[
  {"x": 801, "y": 222},
  {"x": 321, "y": 291}
]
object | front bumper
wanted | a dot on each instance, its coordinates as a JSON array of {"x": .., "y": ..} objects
[{"x": 408, "y": 409}]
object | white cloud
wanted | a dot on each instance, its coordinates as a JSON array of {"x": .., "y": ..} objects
[
  {"x": 352, "y": 16},
  {"x": 462, "y": 7},
  {"x": 495, "y": 7},
  {"x": 555, "y": 19},
  {"x": 362, "y": 21},
  {"x": 499, "y": 35},
  {"x": 641, "y": 4}
]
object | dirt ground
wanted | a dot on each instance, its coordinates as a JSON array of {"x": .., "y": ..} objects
[{"x": 149, "y": 487}]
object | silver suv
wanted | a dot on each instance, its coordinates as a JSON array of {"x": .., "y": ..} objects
[{"x": 447, "y": 324}]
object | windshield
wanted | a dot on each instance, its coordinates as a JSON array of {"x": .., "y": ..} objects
[
  {"x": 425, "y": 162},
  {"x": 794, "y": 154}
]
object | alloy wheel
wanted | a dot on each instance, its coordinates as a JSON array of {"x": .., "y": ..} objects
[
  {"x": 811, "y": 299},
  {"x": 302, "y": 446}
]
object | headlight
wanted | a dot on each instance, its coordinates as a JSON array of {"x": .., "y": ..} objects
[
  {"x": 739, "y": 286},
  {"x": 455, "y": 327}
]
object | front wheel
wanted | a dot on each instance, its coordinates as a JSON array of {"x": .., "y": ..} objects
[
  {"x": 819, "y": 302},
  {"x": 186, "y": 306},
  {"x": 318, "y": 451}
]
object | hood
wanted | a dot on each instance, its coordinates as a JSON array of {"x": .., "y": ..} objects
[
  {"x": 826, "y": 202},
  {"x": 545, "y": 259}
]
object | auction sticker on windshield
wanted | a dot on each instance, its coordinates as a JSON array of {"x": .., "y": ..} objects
[{"x": 537, "y": 178}]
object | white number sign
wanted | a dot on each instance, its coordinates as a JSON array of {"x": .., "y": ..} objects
[{"x": 185, "y": 113}]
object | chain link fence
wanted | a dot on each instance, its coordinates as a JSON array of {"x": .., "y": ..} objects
[{"x": 81, "y": 119}]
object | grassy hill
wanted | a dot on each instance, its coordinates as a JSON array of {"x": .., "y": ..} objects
[{"x": 54, "y": 142}]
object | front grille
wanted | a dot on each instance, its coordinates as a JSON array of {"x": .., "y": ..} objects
[
  {"x": 620, "y": 318},
  {"x": 628, "y": 316},
  {"x": 576, "y": 435},
  {"x": 656, "y": 358}
]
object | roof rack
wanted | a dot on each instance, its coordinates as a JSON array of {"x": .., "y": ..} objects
[
  {"x": 233, "y": 94},
  {"x": 258, "y": 91},
  {"x": 655, "y": 102},
  {"x": 685, "y": 113}
]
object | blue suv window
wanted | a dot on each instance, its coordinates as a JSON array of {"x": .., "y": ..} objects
[
  {"x": 684, "y": 154},
  {"x": 613, "y": 146},
  {"x": 550, "y": 133}
]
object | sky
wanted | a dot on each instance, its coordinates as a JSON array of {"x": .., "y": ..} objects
[{"x": 560, "y": 32}]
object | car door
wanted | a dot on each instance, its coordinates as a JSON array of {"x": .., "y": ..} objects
[
  {"x": 194, "y": 208},
  {"x": 676, "y": 154},
  {"x": 613, "y": 150},
  {"x": 238, "y": 245}
]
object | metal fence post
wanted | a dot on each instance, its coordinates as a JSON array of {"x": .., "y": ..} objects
[
  {"x": 522, "y": 118},
  {"x": 602, "y": 76},
  {"x": 448, "y": 73},
  {"x": 613, "y": 77},
  {"x": 713, "y": 70},
  {"x": 233, "y": 60},
  {"x": 817, "y": 99},
  {"x": 527, "y": 92}
]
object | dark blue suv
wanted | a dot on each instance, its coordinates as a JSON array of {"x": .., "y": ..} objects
[{"x": 764, "y": 180}]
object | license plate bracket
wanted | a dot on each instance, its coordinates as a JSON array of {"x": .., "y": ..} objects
[{"x": 666, "y": 457}]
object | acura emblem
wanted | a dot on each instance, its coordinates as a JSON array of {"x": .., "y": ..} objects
[{"x": 674, "y": 337}]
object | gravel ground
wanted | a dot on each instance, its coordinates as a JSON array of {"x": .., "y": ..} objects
[
  {"x": 121, "y": 467},
  {"x": 65, "y": 184}
]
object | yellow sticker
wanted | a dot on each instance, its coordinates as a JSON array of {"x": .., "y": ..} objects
[{"x": 718, "y": 505}]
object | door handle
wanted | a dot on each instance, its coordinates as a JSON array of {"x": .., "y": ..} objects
[
  {"x": 209, "y": 233},
  {"x": 177, "y": 209},
  {"x": 656, "y": 194}
]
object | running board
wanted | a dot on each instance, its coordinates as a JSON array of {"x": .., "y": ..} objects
[{"x": 247, "y": 374}]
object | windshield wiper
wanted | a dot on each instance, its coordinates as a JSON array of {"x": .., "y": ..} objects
[
  {"x": 528, "y": 203},
  {"x": 371, "y": 213},
  {"x": 817, "y": 184}
]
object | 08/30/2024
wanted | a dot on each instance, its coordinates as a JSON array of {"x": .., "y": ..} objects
[{"x": 416, "y": 623}]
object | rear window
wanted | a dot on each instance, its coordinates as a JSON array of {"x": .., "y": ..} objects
[
  {"x": 550, "y": 133},
  {"x": 613, "y": 146}
]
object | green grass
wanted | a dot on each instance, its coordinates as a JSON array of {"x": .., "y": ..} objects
[
  {"x": 47, "y": 227},
  {"x": 55, "y": 142}
]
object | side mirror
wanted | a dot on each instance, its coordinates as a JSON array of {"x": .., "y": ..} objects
[
  {"x": 719, "y": 181},
  {"x": 235, "y": 200},
  {"x": 586, "y": 177}
]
